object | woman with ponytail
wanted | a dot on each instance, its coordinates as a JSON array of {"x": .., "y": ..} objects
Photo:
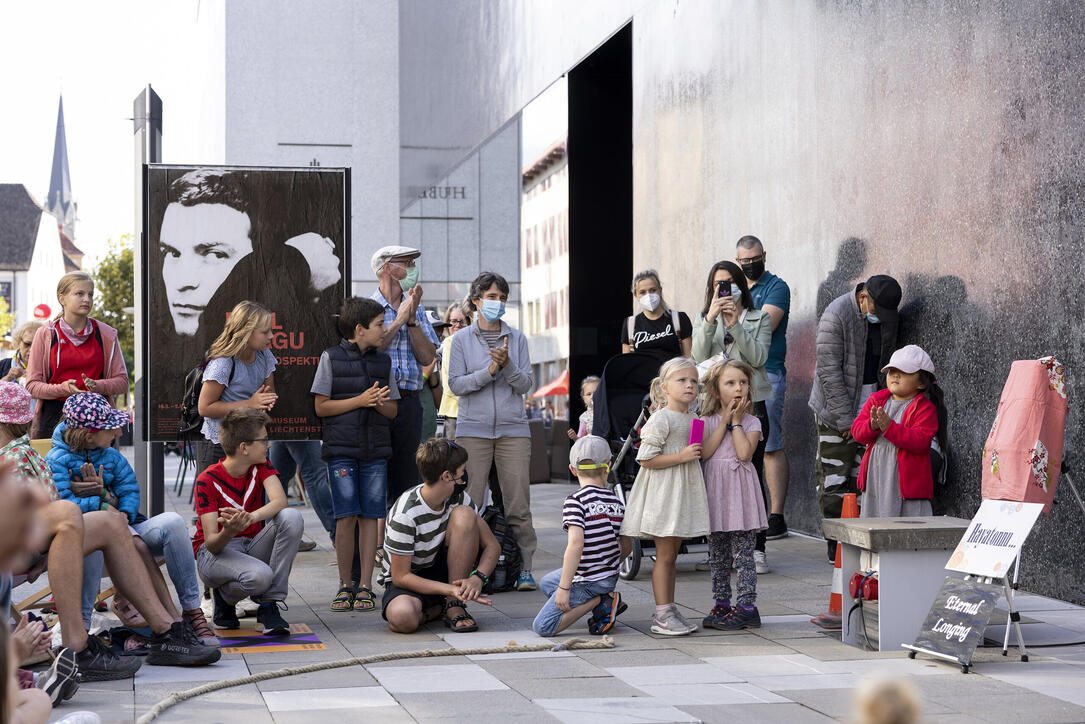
[
  {"x": 897, "y": 426},
  {"x": 72, "y": 354}
]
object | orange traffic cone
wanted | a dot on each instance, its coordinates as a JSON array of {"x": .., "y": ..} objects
[{"x": 833, "y": 618}]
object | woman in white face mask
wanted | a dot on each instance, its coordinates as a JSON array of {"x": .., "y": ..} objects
[{"x": 655, "y": 328}]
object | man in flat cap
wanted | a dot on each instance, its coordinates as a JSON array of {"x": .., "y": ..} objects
[{"x": 410, "y": 341}]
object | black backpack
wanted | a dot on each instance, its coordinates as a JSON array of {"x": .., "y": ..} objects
[
  {"x": 191, "y": 422},
  {"x": 509, "y": 562}
]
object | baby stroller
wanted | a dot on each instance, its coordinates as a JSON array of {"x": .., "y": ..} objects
[{"x": 621, "y": 403}]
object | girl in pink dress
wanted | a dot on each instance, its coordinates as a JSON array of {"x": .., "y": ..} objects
[{"x": 736, "y": 507}]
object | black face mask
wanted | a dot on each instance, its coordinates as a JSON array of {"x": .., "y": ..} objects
[
  {"x": 460, "y": 487},
  {"x": 754, "y": 270}
]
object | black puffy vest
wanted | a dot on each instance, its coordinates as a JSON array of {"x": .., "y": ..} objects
[{"x": 363, "y": 433}]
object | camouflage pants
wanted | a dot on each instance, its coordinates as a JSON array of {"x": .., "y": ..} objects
[{"x": 836, "y": 469}]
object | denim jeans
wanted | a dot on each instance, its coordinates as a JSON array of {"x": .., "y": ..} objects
[
  {"x": 290, "y": 456},
  {"x": 165, "y": 535},
  {"x": 546, "y": 623},
  {"x": 359, "y": 487}
]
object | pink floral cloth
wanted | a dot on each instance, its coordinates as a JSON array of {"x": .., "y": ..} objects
[{"x": 29, "y": 466}]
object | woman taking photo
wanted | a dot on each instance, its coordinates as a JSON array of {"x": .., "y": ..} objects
[
  {"x": 729, "y": 327},
  {"x": 72, "y": 354},
  {"x": 490, "y": 369},
  {"x": 457, "y": 316},
  {"x": 656, "y": 328}
]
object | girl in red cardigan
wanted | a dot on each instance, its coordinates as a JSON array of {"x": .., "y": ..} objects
[
  {"x": 72, "y": 354},
  {"x": 897, "y": 425}
]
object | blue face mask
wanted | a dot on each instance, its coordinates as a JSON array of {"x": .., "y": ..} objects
[
  {"x": 736, "y": 293},
  {"x": 492, "y": 310},
  {"x": 873, "y": 318}
]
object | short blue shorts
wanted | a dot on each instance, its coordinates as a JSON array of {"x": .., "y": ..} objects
[{"x": 358, "y": 487}]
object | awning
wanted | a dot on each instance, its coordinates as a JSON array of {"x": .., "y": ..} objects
[{"x": 560, "y": 386}]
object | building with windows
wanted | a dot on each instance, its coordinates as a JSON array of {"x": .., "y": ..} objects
[{"x": 544, "y": 253}]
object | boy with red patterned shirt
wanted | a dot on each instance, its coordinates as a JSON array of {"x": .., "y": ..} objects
[{"x": 245, "y": 547}]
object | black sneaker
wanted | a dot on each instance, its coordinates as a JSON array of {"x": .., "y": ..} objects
[
  {"x": 98, "y": 663},
  {"x": 777, "y": 527},
  {"x": 225, "y": 615},
  {"x": 739, "y": 618},
  {"x": 270, "y": 621},
  {"x": 180, "y": 647},
  {"x": 61, "y": 680}
]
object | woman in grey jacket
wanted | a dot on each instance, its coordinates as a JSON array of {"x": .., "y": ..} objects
[
  {"x": 729, "y": 323},
  {"x": 490, "y": 370}
]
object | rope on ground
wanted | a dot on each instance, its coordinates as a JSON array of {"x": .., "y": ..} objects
[{"x": 606, "y": 642}]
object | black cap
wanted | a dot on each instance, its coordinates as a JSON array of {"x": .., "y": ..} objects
[{"x": 886, "y": 293}]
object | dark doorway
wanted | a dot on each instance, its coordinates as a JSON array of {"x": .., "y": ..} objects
[{"x": 600, "y": 144}]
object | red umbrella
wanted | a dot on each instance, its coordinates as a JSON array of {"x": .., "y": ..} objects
[{"x": 559, "y": 386}]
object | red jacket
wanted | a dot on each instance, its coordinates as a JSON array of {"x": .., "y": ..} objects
[{"x": 912, "y": 436}]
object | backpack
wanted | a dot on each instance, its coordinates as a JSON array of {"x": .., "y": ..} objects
[
  {"x": 191, "y": 421},
  {"x": 509, "y": 562}
]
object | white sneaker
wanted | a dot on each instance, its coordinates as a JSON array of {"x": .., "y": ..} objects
[
  {"x": 80, "y": 717},
  {"x": 669, "y": 624},
  {"x": 691, "y": 626},
  {"x": 759, "y": 562},
  {"x": 704, "y": 565}
]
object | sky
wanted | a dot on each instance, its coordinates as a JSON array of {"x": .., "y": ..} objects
[
  {"x": 100, "y": 56},
  {"x": 544, "y": 120}
]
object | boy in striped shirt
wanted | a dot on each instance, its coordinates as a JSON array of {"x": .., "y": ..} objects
[
  {"x": 432, "y": 540},
  {"x": 592, "y": 516}
]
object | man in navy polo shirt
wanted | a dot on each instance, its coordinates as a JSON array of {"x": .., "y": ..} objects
[{"x": 771, "y": 294}]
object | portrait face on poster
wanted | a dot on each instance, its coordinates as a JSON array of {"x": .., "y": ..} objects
[{"x": 215, "y": 236}]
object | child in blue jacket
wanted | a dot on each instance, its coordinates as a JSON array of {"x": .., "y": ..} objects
[{"x": 95, "y": 476}]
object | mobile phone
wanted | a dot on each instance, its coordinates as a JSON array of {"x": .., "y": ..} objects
[
  {"x": 723, "y": 289},
  {"x": 696, "y": 431}
]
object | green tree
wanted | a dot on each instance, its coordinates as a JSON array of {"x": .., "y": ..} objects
[
  {"x": 114, "y": 278},
  {"x": 7, "y": 319}
]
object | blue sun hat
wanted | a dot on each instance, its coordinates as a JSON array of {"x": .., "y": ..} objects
[{"x": 91, "y": 410}]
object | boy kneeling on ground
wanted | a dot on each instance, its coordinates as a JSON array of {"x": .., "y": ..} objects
[
  {"x": 244, "y": 547},
  {"x": 592, "y": 516},
  {"x": 432, "y": 541}
]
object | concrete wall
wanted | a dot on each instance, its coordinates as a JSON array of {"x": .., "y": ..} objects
[
  {"x": 468, "y": 222},
  {"x": 939, "y": 142},
  {"x": 318, "y": 84}
]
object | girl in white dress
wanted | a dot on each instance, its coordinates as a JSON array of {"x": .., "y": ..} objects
[{"x": 668, "y": 500}]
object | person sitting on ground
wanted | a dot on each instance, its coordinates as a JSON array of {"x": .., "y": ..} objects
[
  {"x": 592, "y": 517},
  {"x": 95, "y": 476},
  {"x": 432, "y": 540},
  {"x": 244, "y": 547},
  {"x": 20, "y": 537},
  {"x": 355, "y": 396},
  {"x": 69, "y": 536}
]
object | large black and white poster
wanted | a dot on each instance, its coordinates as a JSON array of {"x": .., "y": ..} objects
[{"x": 214, "y": 236}]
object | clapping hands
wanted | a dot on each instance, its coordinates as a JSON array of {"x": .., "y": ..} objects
[
  {"x": 879, "y": 418},
  {"x": 375, "y": 396}
]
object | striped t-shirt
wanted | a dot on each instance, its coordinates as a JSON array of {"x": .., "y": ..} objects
[
  {"x": 599, "y": 512},
  {"x": 414, "y": 529}
]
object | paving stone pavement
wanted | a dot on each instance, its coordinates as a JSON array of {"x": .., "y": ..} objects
[{"x": 787, "y": 671}]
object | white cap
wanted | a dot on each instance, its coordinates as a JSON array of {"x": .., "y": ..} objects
[
  {"x": 435, "y": 319},
  {"x": 385, "y": 253},
  {"x": 909, "y": 359},
  {"x": 590, "y": 447}
]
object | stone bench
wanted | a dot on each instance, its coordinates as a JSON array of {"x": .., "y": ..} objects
[{"x": 909, "y": 555}]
